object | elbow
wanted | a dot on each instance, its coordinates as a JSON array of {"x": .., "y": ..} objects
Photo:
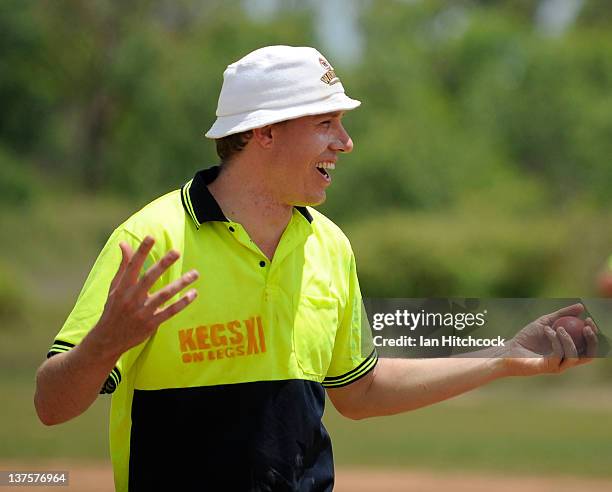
[
  {"x": 355, "y": 415},
  {"x": 41, "y": 406},
  {"x": 46, "y": 420},
  {"x": 355, "y": 402},
  {"x": 43, "y": 414},
  {"x": 353, "y": 411}
]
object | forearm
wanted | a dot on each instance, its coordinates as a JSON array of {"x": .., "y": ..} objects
[
  {"x": 68, "y": 383},
  {"x": 400, "y": 385}
]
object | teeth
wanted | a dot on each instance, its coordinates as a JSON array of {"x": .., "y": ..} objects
[{"x": 326, "y": 165}]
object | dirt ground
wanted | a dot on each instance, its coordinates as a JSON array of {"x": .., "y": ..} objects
[
  {"x": 353, "y": 480},
  {"x": 98, "y": 478}
]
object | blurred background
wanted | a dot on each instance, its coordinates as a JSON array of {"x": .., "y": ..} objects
[{"x": 482, "y": 168}]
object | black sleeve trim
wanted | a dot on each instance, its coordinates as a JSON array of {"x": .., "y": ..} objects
[
  {"x": 354, "y": 375},
  {"x": 111, "y": 383},
  {"x": 62, "y": 343},
  {"x": 58, "y": 347}
]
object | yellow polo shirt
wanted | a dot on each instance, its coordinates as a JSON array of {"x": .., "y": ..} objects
[{"x": 240, "y": 372}]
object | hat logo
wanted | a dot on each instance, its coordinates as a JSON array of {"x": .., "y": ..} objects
[{"x": 329, "y": 77}]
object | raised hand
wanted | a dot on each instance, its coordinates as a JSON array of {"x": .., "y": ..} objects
[{"x": 132, "y": 314}]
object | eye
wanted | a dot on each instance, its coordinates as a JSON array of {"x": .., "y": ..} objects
[{"x": 326, "y": 122}]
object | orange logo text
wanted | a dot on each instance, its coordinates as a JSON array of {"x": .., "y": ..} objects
[{"x": 222, "y": 340}]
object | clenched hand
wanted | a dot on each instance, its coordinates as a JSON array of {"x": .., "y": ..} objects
[{"x": 538, "y": 349}]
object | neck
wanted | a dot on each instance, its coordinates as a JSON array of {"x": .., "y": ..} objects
[{"x": 241, "y": 191}]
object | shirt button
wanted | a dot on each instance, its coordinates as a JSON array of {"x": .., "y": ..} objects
[
  {"x": 231, "y": 229},
  {"x": 262, "y": 263}
]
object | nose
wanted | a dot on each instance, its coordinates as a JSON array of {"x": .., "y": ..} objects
[{"x": 343, "y": 141}]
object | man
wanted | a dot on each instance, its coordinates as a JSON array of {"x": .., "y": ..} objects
[{"x": 228, "y": 393}]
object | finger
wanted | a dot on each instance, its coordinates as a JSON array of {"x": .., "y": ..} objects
[
  {"x": 135, "y": 265},
  {"x": 556, "y": 354},
  {"x": 591, "y": 343},
  {"x": 570, "y": 357},
  {"x": 156, "y": 271},
  {"x": 163, "y": 295},
  {"x": 569, "y": 348},
  {"x": 175, "y": 308},
  {"x": 589, "y": 321},
  {"x": 573, "y": 310},
  {"x": 126, "y": 254}
]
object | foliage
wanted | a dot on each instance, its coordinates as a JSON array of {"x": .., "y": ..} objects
[
  {"x": 17, "y": 182},
  {"x": 12, "y": 297},
  {"x": 474, "y": 256},
  {"x": 468, "y": 108}
]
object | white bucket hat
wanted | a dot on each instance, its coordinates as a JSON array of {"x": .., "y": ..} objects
[{"x": 277, "y": 83}]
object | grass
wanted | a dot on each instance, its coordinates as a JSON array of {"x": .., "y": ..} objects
[
  {"x": 23, "y": 437},
  {"x": 497, "y": 431}
]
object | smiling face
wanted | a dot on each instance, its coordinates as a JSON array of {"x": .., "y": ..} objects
[{"x": 304, "y": 154}]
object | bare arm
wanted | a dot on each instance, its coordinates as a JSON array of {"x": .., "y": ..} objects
[
  {"x": 401, "y": 385},
  {"x": 68, "y": 383}
]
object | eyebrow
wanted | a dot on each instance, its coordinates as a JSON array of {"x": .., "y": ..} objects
[{"x": 335, "y": 114}]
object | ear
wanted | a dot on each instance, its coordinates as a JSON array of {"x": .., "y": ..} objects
[{"x": 264, "y": 136}]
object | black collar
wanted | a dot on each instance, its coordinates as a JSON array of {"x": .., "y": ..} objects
[{"x": 202, "y": 206}]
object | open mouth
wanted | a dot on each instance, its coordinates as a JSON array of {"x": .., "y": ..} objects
[{"x": 324, "y": 168}]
